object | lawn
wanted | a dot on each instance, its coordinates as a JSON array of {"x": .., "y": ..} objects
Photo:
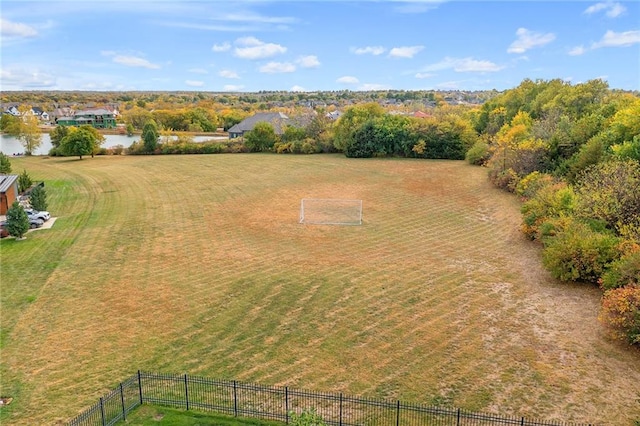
[
  {"x": 149, "y": 415},
  {"x": 198, "y": 265}
]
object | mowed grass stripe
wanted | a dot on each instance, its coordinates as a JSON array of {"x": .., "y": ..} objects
[{"x": 197, "y": 264}]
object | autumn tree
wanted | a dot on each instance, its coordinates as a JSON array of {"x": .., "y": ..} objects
[
  {"x": 351, "y": 121},
  {"x": 26, "y": 129}
]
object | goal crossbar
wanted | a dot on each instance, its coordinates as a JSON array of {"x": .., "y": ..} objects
[{"x": 330, "y": 211}]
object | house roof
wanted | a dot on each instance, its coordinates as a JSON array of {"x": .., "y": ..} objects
[
  {"x": 6, "y": 181},
  {"x": 94, "y": 111},
  {"x": 277, "y": 119}
]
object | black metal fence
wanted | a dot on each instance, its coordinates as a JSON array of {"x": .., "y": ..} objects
[{"x": 276, "y": 403}]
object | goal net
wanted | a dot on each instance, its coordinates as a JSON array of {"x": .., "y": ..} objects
[{"x": 317, "y": 211}]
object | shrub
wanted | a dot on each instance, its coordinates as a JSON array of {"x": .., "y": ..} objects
[
  {"x": 308, "y": 417},
  {"x": 620, "y": 313},
  {"x": 623, "y": 272},
  {"x": 529, "y": 185},
  {"x": 548, "y": 204},
  {"x": 504, "y": 179},
  {"x": 24, "y": 181},
  {"x": 478, "y": 154},
  {"x": 577, "y": 253}
]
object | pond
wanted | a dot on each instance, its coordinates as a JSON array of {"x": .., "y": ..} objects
[{"x": 9, "y": 145}]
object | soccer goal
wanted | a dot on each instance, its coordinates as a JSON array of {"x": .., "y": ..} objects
[{"x": 334, "y": 211}]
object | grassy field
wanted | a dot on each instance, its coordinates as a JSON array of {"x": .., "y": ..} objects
[
  {"x": 149, "y": 415},
  {"x": 197, "y": 264}
]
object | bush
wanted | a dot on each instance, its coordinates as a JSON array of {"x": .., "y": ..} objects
[
  {"x": 620, "y": 313},
  {"x": 549, "y": 204},
  {"x": 623, "y": 272},
  {"x": 577, "y": 253},
  {"x": 529, "y": 185},
  {"x": 307, "y": 418},
  {"x": 504, "y": 179},
  {"x": 478, "y": 154}
]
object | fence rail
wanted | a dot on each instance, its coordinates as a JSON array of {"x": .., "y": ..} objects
[{"x": 277, "y": 403}]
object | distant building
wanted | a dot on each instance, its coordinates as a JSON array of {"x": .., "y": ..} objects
[
  {"x": 277, "y": 120},
  {"x": 100, "y": 118}
]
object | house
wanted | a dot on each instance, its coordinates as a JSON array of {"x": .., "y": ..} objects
[
  {"x": 100, "y": 118},
  {"x": 333, "y": 115},
  {"x": 277, "y": 119},
  {"x": 8, "y": 192}
]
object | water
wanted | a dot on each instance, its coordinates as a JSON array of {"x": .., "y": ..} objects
[{"x": 9, "y": 145}]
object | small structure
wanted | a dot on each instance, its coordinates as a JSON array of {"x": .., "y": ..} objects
[
  {"x": 277, "y": 119},
  {"x": 8, "y": 192}
]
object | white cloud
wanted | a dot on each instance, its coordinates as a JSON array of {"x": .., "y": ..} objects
[
  {"x": 16, "y": 29},
  {"x": 252, "y": 48},
  {"x": 372, "y": 50},
  {"x": 134, "y": 61},
  {"x": 612, "y": 9},
  {"x": 297, "y": 89},
  {"x": 528, "y": 39},
  {"x": 373, "y": 86},
  {"x": 405, "y": 52},
  {"x": 347, "y": 79},
  {"x": 198, "y": 71},
  {"x": 18, "y": 78},
  {"x": 613, "y": 39},
  {"x": 194, "y": 83},
  {"x": 424, "y": 75},
  {"x": 277, "y": 67},
  {"x": 577, "y": 51},
  {"x": 309, "y": 61},
  {"x": 232, "y": 88},
  {"x": 228, "y": 74},
  {"x": 464, "y": 65},
  {"x": 221, "y": 47}
]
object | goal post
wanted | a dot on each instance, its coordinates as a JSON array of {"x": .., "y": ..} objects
[{"x": 330, "y": 211}]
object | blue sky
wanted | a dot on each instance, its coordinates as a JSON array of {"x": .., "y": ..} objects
[{"x": 258, "y": 45}]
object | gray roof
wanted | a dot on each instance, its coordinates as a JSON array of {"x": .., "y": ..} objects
[
  {"x": 277, "y": 119},
  {"x": 6, "y": 181},
  {"x": 94, "y": 111}
]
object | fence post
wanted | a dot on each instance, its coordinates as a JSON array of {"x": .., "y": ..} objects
[
  {"x": 398, "y": 414},
  {"x": 286, "y": 404},
  {"x": 522, "y": 421},
  {"x": 235, "y": 400},
  {"x": 124, "y": 408},
  {"x": 140, "y": 386},
  {"x": 340, "y": 408},
  {"x": 186, "y": 391},
  {"x": 104, "y": 423},
  {"x": 458, "y": 418}
]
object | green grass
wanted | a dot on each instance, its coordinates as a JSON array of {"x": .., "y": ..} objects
[
  {"x": 150, "y": 415},
  {"x": 196, "y": 264}
]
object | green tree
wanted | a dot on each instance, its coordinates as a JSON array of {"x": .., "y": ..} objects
[
  {"x": 352, "y": 120},
  {"x": 5, "y": 164},
  {"x": 130, "y": 129},
  {"x": 24, "y": 181},
  {"x": 57, "y": 134},
  {"x": 38, "y": 198},
  {"x": 261, "y": 138},
  {"x": 83, "y": 140},
  {"x": 8, "y": 123},
  {"x": 150, "y": 136},
  {"x": 17, "y": 220}
]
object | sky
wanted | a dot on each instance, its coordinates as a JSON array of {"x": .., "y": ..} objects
[{"x": 304, "y": 46}]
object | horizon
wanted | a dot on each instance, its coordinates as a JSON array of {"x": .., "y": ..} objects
[{"x": 253, "y": 46}]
